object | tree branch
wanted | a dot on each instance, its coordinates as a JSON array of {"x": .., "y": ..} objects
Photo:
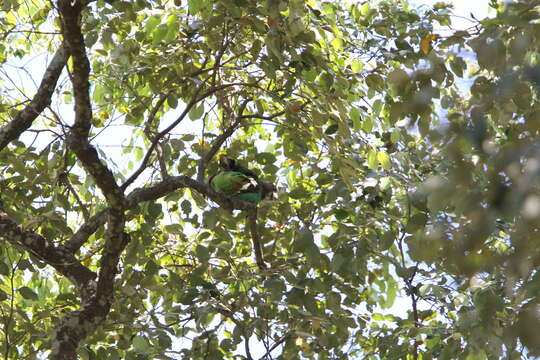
[
  {"x": 78, "y": 324},
  {"x": 24, "y": 119},
  {"x": 57, "y": 257},
  {"x": 151, "y": 193},
  {"x": 86, "y": 230},
  {"x": 63, "y": 179},
  {"x": 149, "y": 132},
  {"x": 280, "y": 341},
  {"x": 269, "y": 117},
  {"x": 257, "y": 247},
  {"x": 77, "y": 138}
]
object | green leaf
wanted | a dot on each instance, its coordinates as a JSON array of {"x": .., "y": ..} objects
[
  {"x": 256, "y": 49},
  {"x": 398, "y": 77},
  {"x": 332, "y": 129},
  {"x": 186, "y": 207},
  {"x": 375, "y": 82},
  {"x": 299, "y": 193},
  {"x": 367, "y": 125},
  {"x": 177, "y": 145},
  {"x": 84, "y": 353},
  {"x": 159, "y": 33},
  {"x": 458, "y": 65},
  {"x": 365, "y": 9},
  {"x": 154, "y": 210},
  {"x": 373, "y": 163},
  {"x": 99, "y": 94},
  {"x": 172, "y": 101},
  {"x": 424, "y": 123},
  {"x": 338, "y": 260},
  {"x": 266, "y": 158},
  {"x": 28, "y": 293},
  {"x": 337, "y": 43},
  {"x": 151, "y": 268},
  {"x": 384, "y": 160},
  {"x": 174, "y": 229},
  {"x": 151, "y": 23},
  {"x": 405, "y": 272},
  {"x": 3, "y": 296},
  {"x": 417, "y": 222},
  {"x": 4, "y": 268},
  {"x": 387, "y": 240},
  {"x": 196, "y": 112},
  {"x": 305, "y": 243},
  {"x": 202, "y": 253},
  {"x": 354, "y": 114},
  {"x": 141, "y": 345},
  {"x": 341, "y": 214},
  {"x": 164, "y": 340},
  {"x": 357, "y": 66},
  {"x": 277, "y": 288}
]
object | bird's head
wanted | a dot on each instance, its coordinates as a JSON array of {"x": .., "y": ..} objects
[{"x": 226, "y": 162}]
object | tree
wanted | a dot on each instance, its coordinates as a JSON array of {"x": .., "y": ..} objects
[{"x": 407, "y": 160}]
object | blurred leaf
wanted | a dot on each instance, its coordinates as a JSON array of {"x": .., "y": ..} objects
[
  {"x": 28, "y": 293},
  {"x": 425, "y": 44}
]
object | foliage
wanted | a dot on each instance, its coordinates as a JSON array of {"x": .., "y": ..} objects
[{"x": 407, "y": 160}]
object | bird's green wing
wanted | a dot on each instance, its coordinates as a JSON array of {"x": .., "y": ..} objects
[
  {"x": 229, "y": 182},
  {"x": 237, "y": 185}
]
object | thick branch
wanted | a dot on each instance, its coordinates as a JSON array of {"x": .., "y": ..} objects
[
  {"x": 24, "y": 119},
  {"x": 86, "y": 230},
  {"x": 77, "y": 139},
  {"x": 61, "y": 259},
  {"x": 116, "y": 241},
  {"x": 78, "y": 324},
  {"x": 75, "y": 326},
  {"x": 173, "y": 183},
  {"x": 176, "y": 182},
  {"x": 151, "y": 193}
]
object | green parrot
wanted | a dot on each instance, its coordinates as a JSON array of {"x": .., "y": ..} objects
[{"x": 240, "y": 183}]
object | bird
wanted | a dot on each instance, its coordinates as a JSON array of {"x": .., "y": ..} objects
[{"x": 239, "y": 182}]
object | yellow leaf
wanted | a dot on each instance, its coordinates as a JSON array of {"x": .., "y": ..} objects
[
  {"x": 357, "y": 66},
  {"x": 384, "y": 160},
  {"x": 425, "y": 44},
  {"x": 372, "y": 160},
  {"x": 337, "y": 44}
]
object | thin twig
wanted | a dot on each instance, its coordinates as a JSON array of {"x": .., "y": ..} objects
[{"x": 280, "y": 341}]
